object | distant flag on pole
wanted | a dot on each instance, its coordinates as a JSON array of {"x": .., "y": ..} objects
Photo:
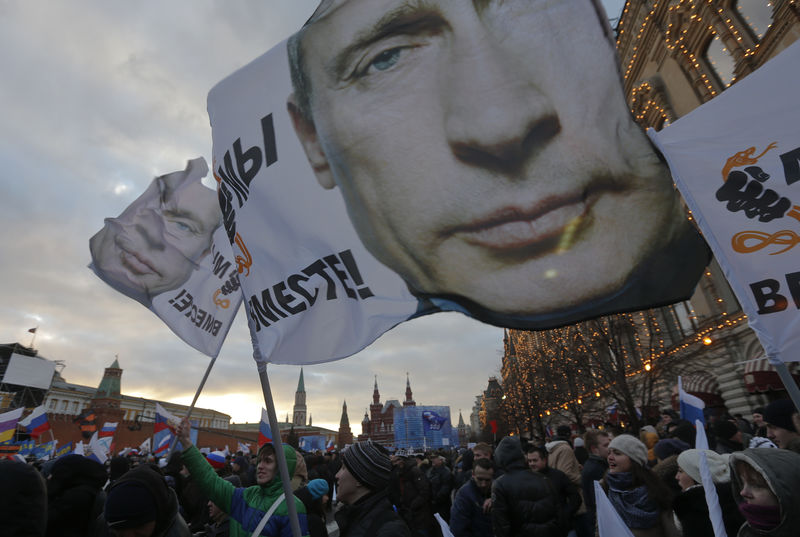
[
  {"x": 244, "y": 448},
  {"x": 98, "y": 449},
  {"x": 264, "y": 432},
  {"x": 144, "y": 447},
  {"x": 330, "y": 446},
  {"x": 164, "y": 430},
  {"x": 108, "y": 430},
  {"x": 36, "y": 423},
  {"x": 691, "y": 406},
  {"x": 32, "y": 330},
  {"x": 26, "y": 447},
  {"x": 8, "y": 424},
  {"x": 64, "y": 450},
  {"x": 609, "y": 523}
]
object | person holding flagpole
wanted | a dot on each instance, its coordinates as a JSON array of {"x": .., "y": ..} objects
[{"x": 259, "y": 506}]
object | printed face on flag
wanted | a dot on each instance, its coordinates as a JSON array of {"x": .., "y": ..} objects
[
  {"x": 156, "y": 243},
  {"x": 485, "y": 153}
]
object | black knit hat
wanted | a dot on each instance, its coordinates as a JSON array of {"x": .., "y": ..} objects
[
  {"x": 369, "y": 463},
  {"x": 779, "y": 414},
  {"x": 129, "y": 504}
]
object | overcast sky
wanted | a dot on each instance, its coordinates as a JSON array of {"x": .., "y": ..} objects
[{"x": 100, "y": 97}]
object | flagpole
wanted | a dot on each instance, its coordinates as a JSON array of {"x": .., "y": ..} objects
[
  {"x": 282, "y": 466},
  {"x": 788, "y": 382},
  {"x": 191, "y": 407},
  {"x": 34, "y": 335}
]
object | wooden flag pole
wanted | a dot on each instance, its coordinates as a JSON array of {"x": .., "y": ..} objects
[
  {"x": 191, "y": 407},
  {"x": 281, "y": 457}
]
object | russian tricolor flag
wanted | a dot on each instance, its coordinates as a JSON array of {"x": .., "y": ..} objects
[
  {"x": 330, "y": 446},
  {"x": 36, "y": 423},
  {"x": 107, "y": 430},
  {"x": 264, "y": 432},
  {"x": 216, "y": 459},
  {"x": 691, "y": 406}
]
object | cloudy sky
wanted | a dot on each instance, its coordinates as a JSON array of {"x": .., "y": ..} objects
[{"x": 100, "y": 97}]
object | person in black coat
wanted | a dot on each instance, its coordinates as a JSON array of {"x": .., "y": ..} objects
[
  {"x": 470, "y": 515},
  {"x": 23, "y": 500},
  {"x": 441, "y": 485},
  {"x": 361, "y": 485},
  {"x": 569, "y": 499},
  {"x": 410, "y": 492},
  {"x": 523, "y": 502},
  {"x": 74, "y": 496}
]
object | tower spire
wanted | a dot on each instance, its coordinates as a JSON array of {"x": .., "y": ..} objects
[
  {"x": 299, "y": 410},
  {"x": 409, "y": 396}
]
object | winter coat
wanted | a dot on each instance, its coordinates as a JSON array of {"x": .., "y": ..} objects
[
  {"x": 410, "y": 492},
  {"x": 467, "y": 518},
  {"x": 74, "y": 496},
  {"x": 569, "y": 497},
  {"x": 523, "y": 502},
  {"x": 169, "y": 522},
  {"x": 781, "y": 469},
  {"x": 247, "y": 506},
  {"x": 371, "y": 516},
  {"x": 692, "y": 512},
  {"x": 594, "y": 470},
  {"x": 441, "y": 484},
  {"x": 561, "y": 457},
  {"x": 23, "y": 499}
]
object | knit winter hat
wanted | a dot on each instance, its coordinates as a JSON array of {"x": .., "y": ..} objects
[
  {"x": 779, "y": 413},
  {"x": 725, "y": 429},
  {"x": 369, "y": 463},
  {"x": 318, "y": 488},
  {"x": 129, "y": 504},
  {"x": 630, "y": 446},
  {"x": 689, "y": 462},
  {"x": 670, "y": 446}
]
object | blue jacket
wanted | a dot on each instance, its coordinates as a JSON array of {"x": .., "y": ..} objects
[{"x": 467, "y": 518}]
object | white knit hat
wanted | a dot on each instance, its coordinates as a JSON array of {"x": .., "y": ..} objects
[
  {"x": 689, "y": 462},
  {"x": 630, "y": 446}
]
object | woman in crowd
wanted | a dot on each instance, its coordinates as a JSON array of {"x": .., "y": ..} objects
[
  {"x": 642, "y": 500},
  {"x": 766, "y": 485},
  {"x": 691, "y": 510}
]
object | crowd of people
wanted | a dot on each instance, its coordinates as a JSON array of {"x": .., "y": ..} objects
[{"x": 546, "y": 488}]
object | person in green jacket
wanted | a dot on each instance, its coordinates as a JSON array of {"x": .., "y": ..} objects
[{"x": 247, "y": 506}]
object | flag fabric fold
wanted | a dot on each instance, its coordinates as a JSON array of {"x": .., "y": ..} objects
[
  {"x": 36, "y": 422},
  {"x": 691, "y": 406},
  {"x": 164, "y": 430},
  {"x": 63, "y": 450},
  {"x": 264, "y": 431},
  {"x": 609, "y": 523},
  {"x": 8, "y": 424}
]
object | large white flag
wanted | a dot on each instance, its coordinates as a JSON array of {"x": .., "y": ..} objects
[
  {"x": 168, "y": 251},
  {"x": 736, "y": 160},
  {"x": 360, "y": 188},
  {"x": 609, "y": 523}
]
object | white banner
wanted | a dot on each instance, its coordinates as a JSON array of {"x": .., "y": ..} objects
[
  {"x": 736, "y": 160},
  {"x": 168, "y": 251},
  {"x": 396, "y": 159}
]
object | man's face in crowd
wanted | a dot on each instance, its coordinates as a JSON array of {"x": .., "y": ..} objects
[
  {"x": 601, "y": 449},
  {"x": 483, "y": 479},
  {"x": 758, "y": 419},
  {"x": 780, "y": 436},
  {"x": 157, "y": 242},
  {"x": 481, "y": 455},
  {"x": 484, "y": 149},
  {"x": 347, "y": 486},
  {"x": 265, "y": 471},
  {"x": 215, "y": 513},
  {"x": 535, "y": 461}
]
